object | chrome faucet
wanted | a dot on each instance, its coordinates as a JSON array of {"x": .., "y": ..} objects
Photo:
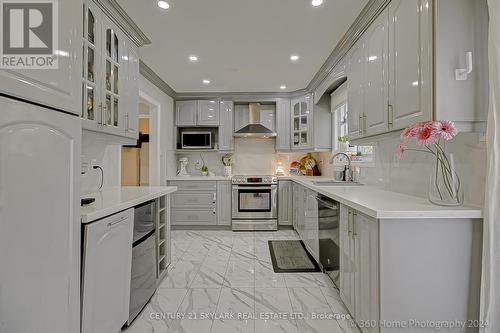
[{"x": 348, "y": 171}]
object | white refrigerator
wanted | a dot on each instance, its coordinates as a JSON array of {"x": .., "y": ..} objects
[{"x": 39, "y": 219}]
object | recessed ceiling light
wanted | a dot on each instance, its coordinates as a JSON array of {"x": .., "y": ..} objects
[
  {"x": 294, "y": 57},
  {"x": 193, "y": 58},
  {"x": 206, "y": 81},
  {"x": 316, "y": 3},
  {"x": 283, "y": 87},
  {"x": 163, "y": 4}
]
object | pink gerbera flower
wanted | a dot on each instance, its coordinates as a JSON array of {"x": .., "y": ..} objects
[
  {"x": 445, "y": 129},
  {"x": 426, "y": 135},
  {"x": 412, "y": 131},
  {"x": 400, "y": 150}
]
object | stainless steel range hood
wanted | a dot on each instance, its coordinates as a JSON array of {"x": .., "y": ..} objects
[{"x": 254, "y": 129}]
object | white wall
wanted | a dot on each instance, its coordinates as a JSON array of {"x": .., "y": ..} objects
[
  {"x": 412, "y": 174},
  {"x": 97, "y": 147},
  {"x": 166, "y": 120}
]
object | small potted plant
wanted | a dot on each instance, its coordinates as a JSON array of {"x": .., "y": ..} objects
[
  {"x": 343, "y": 143},
  {"x": 204, "y": 168}
]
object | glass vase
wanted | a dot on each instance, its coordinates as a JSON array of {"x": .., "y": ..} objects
[{"x": 445, "y": 188}]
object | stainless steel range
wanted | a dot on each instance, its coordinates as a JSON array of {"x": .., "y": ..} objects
[{"x": 255, "y": 203}]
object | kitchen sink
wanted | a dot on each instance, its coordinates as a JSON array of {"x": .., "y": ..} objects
[{"x": 335, "y": 183}]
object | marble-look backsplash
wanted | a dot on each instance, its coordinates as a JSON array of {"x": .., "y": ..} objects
[
  {"x": 409, "y": 176},
  {"x": 250, "y": 156},
  {"x": 412, "y": 174}
]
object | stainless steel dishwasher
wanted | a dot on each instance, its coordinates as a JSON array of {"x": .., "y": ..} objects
[
  {"x": 329, "y": 237},
  {"x": 143, "y": 281}
]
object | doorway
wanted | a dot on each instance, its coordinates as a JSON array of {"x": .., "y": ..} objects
[{"x": 140, "y": 163}]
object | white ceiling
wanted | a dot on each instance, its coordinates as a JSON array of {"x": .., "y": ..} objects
[{"x": 242, "y": 45}]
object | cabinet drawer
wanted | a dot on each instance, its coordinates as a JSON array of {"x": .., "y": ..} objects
[
  {"x": 191, "y": 185},
  {"x": 190, "y": 200},
  {"x": 194, "y": 217}
]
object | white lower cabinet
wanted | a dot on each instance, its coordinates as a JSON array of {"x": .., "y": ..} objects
[
  {"x": 201, "y": 203},
  {"x": 359, "y": 285},
  {"x": 224, "y": 202},
  {"x": 107, "y": 260},
  {"x": 285, "y": 199}
]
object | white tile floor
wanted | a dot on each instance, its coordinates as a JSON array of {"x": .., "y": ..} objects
[{"x": 221, "y": 281}]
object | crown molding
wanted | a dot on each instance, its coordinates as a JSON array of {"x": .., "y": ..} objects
[
  {"x": 242, "y": 96},
  {"x": 152, "y": 77},
  {"x": 119, "y": 17}
]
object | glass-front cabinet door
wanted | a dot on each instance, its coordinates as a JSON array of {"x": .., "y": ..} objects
[
  {"x": 301, "y": 122},
  {"x": 91, "y": 110},
  {"x": 113, "y": 57}
]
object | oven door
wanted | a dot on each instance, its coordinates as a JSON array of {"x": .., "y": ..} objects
[{"x": 254, "y": 202}]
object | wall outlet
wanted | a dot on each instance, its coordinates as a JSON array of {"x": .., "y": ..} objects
[
  {"x": 84, "y": 164},
  {"x": 93, "y": 163}
]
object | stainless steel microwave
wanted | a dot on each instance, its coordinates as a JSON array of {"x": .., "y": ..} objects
[{"x": 197, "y": 140}]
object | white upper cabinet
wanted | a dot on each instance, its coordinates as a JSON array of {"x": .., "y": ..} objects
[
  {"x": 375, "y": 115},
  {"x": 91, "y": 66},
  {"x": 110, "y": 75},
  {"x": 311, "y": 124},
  {"x": 410, "y": 61},
  {"x": 113, "y": 68},
  {"x": 355, "y": 86},
  {"x": 197, "y": 113},
  {"x": 185, "y": 113},
  {"x": 469, "y": 106},
  {"x": 131, "y": 113},
  {"x": 226, "y": 126},
  {"x": 392, "y": 81},
  {"x": 58, "y": 88},
  {"x": 301, "y": 116},
  {"x": 283, "y": 124},
  {"x": 208, "y": 113}
]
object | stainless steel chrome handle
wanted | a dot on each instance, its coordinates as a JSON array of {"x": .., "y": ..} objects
[
  {"x": 110, "y": 224},
  {"x": 390, "y": 111},
  {"x": 354, "y": 233},
  {"x": 215, "y": 197},
  {"x": 127, "y": 123},
  {"x": 364, "y": 123},
  {"x": 349, "y": 222},
  {"x": 267, "y": 187},
  {"x": 360, "y": 125},
  {"x": 100, "y": 108},
  {"x": 103, "y": 115}
]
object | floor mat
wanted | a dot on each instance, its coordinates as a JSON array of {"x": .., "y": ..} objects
[{"x": 291, "y": 256}]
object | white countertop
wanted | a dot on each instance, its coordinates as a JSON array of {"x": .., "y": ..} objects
[
  {"x": 113, "y": 200},
  {"x": 381, "y": 204},
  {"x": 175, "y": 178}
]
